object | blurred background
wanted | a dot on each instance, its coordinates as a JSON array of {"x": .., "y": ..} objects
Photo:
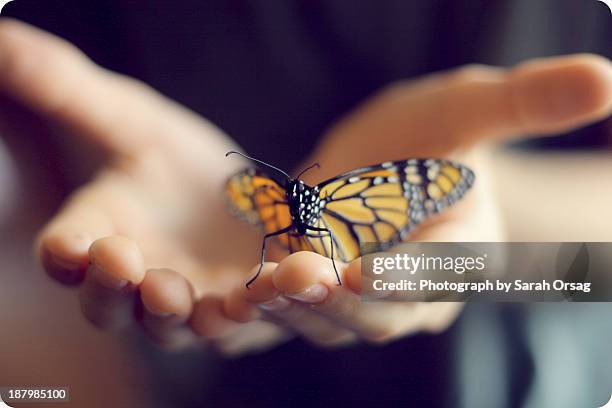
[{"x": 274, "y": 75}]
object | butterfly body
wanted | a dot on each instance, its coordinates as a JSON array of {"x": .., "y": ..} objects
[
  {"x": 304, "y": 204},
  {"x": 365, "y": 210}
]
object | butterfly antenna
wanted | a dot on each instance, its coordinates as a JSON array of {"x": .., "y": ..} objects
[
  {"x": 317, "y": 165},
  {"x": 259, "y": 161}
]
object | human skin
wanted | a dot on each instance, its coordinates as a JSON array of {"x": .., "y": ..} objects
[{"x": 151, "y": 229}]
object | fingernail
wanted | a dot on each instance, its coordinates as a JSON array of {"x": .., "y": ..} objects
[
  {"x": 278, "y": 303},
  {"x": 64, "y": 264},
  {"x": 312, "y": 294},
  {"x": 106, "y": 279},
  {"x": 66, "y": 272},
  {"x": 79, "y": 243},
  {"x": 569, "y": 100},
  {"x": 159, "y": 313}
]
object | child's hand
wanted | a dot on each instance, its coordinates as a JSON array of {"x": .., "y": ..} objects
[{"x": 445, "y": 115}]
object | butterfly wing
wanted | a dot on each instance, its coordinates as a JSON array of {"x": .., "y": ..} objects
[
  {"x": 258, "y": 200},
  {"x": 380, "y": 205},
  {"x": 261, "y": 201}
]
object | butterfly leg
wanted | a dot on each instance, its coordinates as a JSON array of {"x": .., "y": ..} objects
[
  {"x": 331, "y": 237},
  {"x": 263, "y": 252}
]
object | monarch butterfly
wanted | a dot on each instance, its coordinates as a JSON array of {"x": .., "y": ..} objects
[{"x": 379, "y": 205}]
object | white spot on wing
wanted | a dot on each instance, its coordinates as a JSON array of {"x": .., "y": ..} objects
[
  {"x": 414, "y": 179},
  {"x": 432, "y": 172}
]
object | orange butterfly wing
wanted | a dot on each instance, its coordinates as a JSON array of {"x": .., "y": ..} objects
[{"x": 261, "y": 201}]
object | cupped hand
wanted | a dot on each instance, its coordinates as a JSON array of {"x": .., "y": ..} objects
[
  {"x": 456, "y": 115},
  {"x": 149, "y": 239}
]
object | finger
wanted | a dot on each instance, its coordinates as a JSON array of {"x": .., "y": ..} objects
[
  {"x": 241, "y": 304},
  {"x": 167, "y": 300},
  {"x": 108, "y": 294},
  {"x": 309, "y": 279},
  {"x": 558, "y": 94},
  {"x": 209, "y": 320},
  {"x": 51, "y": 76},
  {"x": 285, "y": 312},
  {"x": 237, "y": 308},
  {"x": 254, "y": 334},
  {"x": 63, "y": 245},
  {"x": 437, "y": 115}
]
